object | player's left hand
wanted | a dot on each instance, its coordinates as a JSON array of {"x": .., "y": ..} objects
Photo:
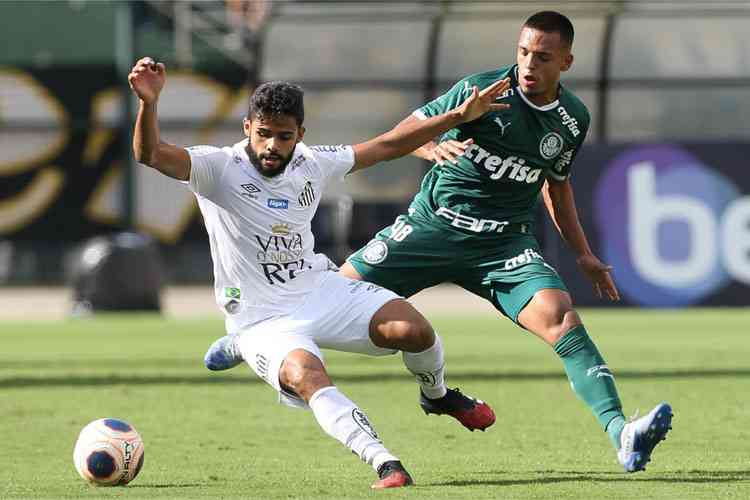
[
  {"x": 599, "y": 275},
  {"x": 483, "y": 102}
]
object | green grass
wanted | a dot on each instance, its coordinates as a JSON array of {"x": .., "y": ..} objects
[{"x": 224, "y": 436}]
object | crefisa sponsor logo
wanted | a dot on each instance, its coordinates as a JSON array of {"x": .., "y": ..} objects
[{"x": 674, "y": 228}]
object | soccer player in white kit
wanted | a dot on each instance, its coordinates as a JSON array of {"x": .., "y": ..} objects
[{"x": 282, "y": 301}]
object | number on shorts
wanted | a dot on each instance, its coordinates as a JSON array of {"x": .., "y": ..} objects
[{"x": 400, "y": 229}]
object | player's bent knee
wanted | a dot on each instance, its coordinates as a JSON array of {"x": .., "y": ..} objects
[
  {"x": 397, "y": 325},
  {"x": 570, "y": 319},
  {"x": 303, "y": 373}
]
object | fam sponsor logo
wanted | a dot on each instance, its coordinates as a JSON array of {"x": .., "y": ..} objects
[
  {"x": 674, "y": 228},
  {"x": 511, "y": 167},
  {"x": 473, "y": 224},
  {"x": 569, "y": 121},
  {"x": 278, "y": 203}
]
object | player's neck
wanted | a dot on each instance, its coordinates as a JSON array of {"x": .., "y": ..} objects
[{"x": 542, "y": 100}]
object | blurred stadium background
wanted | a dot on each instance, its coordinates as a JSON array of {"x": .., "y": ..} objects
[{"x": 662, "y": 185}]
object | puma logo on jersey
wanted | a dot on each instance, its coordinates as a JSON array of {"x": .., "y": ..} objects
[
  {"x": 512, "y": 167},
  {"x": 502, "y": 125}
]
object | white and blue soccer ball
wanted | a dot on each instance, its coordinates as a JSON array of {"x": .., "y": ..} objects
[{"x": 109, "y": 452}]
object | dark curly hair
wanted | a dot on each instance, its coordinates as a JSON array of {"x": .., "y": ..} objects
[{"x": 277, "y": 98}]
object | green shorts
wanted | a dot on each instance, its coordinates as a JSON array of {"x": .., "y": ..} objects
[{"x": 416, "y": 253}]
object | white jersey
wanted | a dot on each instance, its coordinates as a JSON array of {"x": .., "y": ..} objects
[{"x": 259, "y": 228}]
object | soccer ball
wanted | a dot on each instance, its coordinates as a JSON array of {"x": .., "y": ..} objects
[{"x": 109, "y": 452}]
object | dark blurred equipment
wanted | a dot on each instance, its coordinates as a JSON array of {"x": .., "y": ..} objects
[{"x": 120, "y": 272}]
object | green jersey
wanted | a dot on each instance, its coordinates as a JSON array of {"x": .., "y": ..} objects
[{"x": 498, "y": 179}]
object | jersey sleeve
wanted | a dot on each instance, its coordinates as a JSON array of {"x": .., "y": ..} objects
[
  {"x": 206, "y": 167},
  {"x": 450, "y": 100},
  {"x": 562, "y": 168},
  {"x": 334, "y": 161}
]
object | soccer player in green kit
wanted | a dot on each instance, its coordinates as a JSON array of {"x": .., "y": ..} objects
[{"x": 471, "y": 222}]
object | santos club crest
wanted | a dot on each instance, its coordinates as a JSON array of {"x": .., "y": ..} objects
[{"x": 307, "y": 196}]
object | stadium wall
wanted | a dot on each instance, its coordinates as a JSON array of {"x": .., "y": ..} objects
[{"x": 651, "y": 89}]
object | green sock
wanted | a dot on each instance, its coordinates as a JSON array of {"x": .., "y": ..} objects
[
  {"x": 591, "y": 380},
  {"x": 614, "y": 429}
]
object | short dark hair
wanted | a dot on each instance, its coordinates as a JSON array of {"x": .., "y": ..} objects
[
  {"x": 277, "y": 98},
  {"x": 550, "y": 21}
]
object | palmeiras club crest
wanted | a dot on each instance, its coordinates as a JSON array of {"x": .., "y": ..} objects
[{"x": 551, "y": 145}]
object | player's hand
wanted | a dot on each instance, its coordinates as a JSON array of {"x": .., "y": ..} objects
[
  {"x": 449, "y": 150},
  {"x": 483, "y": 102},
  {"x": 599, "y": 275},
  {"x": 147, "y": 78}
]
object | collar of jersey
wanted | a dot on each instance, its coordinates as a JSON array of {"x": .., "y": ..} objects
[{"x": 546, "y": 107}]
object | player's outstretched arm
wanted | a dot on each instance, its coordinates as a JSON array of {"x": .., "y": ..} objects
[
  {"x": 147, "y": 79},
  {"x": 411, "y": 134},
  {"x": 560, "y": 203},
  {"x": 446, "y": 151}
]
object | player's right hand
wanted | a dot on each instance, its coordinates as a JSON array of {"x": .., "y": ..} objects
[
  {"x": 147, "y": 78},
  {"x": 449, "y": 150},
  {"x": 484, "y": 101}
]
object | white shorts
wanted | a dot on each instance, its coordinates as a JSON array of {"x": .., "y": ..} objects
[{"x": 335, "y": 316}]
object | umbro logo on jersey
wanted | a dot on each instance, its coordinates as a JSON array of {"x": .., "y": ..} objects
[
  {"x": 297, "y": 162},
  {"x": 251, "y": 190},
  {"x": 307, "y": 196}
]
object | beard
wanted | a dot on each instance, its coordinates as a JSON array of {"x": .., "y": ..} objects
[{"x": 257, "y": 161}]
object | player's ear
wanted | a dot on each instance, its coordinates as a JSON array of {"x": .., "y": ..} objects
[
  {"x": 300, "y": 133},
  {"x": 567, "y": 62},
  {"x": 247, "y": 126}
]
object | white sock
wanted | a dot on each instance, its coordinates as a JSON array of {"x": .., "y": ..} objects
[
  {"x": 428, "y": 367},
  {"x": 342, "y": 420}
]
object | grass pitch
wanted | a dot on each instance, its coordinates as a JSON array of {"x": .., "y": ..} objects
[{"x": 211, "y": 435}]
